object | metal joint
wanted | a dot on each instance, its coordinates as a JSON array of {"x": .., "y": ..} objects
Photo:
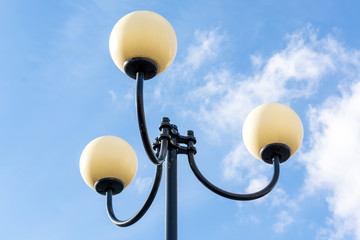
[
  {"x": 165, "y": 128},
  {"x": 191, "y": 147},
  {"x": 189, "y": 140},
  {"x": 165, "y": 123},
  {"x": 156, "y": 146},
  {"x": 186, "y": 139},
  {"x": 164, "y": 135},
  {"x": 182, "y": 149},
  {"x": 174, "y": 131}
]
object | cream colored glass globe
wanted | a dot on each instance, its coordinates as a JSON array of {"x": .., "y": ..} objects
[
  {"x": 272, "y": 123},
  {"x": 108, "y": 157},
  {"x": 143, "y": 34}
]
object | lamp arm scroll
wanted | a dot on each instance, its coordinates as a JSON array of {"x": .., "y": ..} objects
[
  {"x": 144, "y": 208},
  {"x": 142, "y": 125},
  {"x": 230, "y": 195}
]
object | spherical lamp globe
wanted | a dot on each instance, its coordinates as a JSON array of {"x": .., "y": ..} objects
[
  {"x": 108, "y": 157},
  {"x": 272, "y": 123},
  {"x": 143, "y": 35}
]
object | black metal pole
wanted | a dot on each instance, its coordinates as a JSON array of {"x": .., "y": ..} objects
[{"x": 171, "y": 193}]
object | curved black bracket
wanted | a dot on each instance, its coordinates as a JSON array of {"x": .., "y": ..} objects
[
  {"x": 144, "y": 208},
  {"x": 104, "y": 184},
  {"x": 269, "y": 151},
  {"x": 140, "y": 64},
  {"x": 230, "y": 195},
  {"x": 142, "y": 125}
]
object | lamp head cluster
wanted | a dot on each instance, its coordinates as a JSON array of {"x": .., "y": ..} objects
[{"x": 144, "y": 41}]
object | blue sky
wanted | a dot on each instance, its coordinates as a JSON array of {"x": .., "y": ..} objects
[{"x": 59, "y": 89}]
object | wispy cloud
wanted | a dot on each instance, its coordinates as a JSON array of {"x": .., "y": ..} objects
[
  {"x": 284, "y": 219},
  {"x": 291, "y": 74},
  {"x": 333, "y": 163},
  {"x": 206, "y": 47},
  {"x": 227, "y": 98},
  {"x": 123, "y": 101},
  {"x": 142, "y": 184},
  {"x": 256, "y": 184},
  {"x": 113, "y": 96}
]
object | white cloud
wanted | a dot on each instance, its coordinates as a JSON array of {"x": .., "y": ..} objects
[
  {"x": 113, "y": 96},
  {"x": 226, "y": 98},
  {"x": 279, "y": 197},
  {"x": 333, "y": 163},
  {"x": 206, "y": 46},
  {"x": 257, "y": 184},
  {"x": 283, "y": 220},
  {"x": 296, "y": 73},
  {"x": 143, "y": 184},
  {"x": 256, "y": 60},
  {"x": 122, "y": 102},
  {"x": 240, "y": 170},
  {"x": 292, "y": 73}
]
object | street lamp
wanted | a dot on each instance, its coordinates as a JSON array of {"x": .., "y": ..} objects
[{"x": 142, "y": 45}]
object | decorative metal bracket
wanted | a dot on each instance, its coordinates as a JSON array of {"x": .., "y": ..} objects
[{"x": 167, "y": 146}]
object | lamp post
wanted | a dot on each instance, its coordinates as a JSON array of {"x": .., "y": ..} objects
[{"x": 142, "y": 45}]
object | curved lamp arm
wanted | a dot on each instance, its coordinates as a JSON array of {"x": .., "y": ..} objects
[
  {"x": 144, "y": 208},
  {"x": 142, "y": 124},
  {"x": 234, "y": 196}
]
